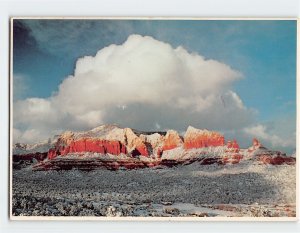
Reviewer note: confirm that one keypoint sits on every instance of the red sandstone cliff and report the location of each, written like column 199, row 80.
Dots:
column 117, row 141
column 171, row 140
column 125, row 147
column 197, row 138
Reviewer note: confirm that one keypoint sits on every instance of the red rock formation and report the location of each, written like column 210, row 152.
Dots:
column 52, row 153
column 128, row 138
column 232, row 159
column 233, row 146
column 159, row 152
column 154, row 141
column 39, row 156
column 139, row 151
column 276, row 160
column 125, row 141
column 256, row 143
column 209, row 161
column 142, row 149
column 196, row 138
column 136, row 144
column 171, row 140
column 89, row 145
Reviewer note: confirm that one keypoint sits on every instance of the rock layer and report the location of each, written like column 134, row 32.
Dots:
column 276, row 160
column 88, row 145
column 197, row 138
column 172, row 140
column 134, row 149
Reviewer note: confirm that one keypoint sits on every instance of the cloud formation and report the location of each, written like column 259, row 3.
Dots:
column 143, row 83
column 260, row 131
column 19, row 86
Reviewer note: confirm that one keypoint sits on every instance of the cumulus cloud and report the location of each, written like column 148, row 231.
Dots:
column 19, row 86
column 261, row 132
column 143, row 83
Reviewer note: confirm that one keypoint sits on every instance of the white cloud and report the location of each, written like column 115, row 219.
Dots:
column 155, row 83
column 17, row 134
column 19, row 86
column 261, row 132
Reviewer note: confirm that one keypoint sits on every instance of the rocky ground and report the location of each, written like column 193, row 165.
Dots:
column 245, row 189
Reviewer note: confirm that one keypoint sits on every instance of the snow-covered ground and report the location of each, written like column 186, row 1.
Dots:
column 245, row 189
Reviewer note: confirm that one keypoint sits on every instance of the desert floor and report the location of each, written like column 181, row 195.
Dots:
column 245, row 189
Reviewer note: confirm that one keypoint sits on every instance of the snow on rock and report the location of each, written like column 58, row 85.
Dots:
column 154, row 142
column 172, row 140
column 134, row 144
column 276, row 159
column 233, row 146
column 173, row 154
column 27, row 154
column 88, row 145
column 265, row 156
column 256, row 145
column 104, row 139
column 198, row 138
column 147, row 149
column 99, row 132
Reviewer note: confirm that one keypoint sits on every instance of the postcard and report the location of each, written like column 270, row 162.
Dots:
column 153, row 119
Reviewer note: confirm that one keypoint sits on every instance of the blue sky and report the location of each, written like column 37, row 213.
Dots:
column 264, row 52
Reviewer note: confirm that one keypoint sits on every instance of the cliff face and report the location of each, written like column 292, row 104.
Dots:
column 171, row 140
column 88, row 145
column 126, row 148
column 265, row 156
column 197, row 138
column 115, row 141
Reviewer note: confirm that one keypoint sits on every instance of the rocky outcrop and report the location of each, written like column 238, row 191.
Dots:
column 233, row 146
column 256, row 145
column 23, row 160
column 88, row 145
column 115, row 141
column 128, row 138
column 197, row 138
column 154, row 142
column 41, row 147
column 30, row 157
column 276, row 159
column 266, row 156
column 171, row 140
column 113, row 147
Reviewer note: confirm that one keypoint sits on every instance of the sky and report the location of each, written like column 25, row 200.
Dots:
column 236, row 77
